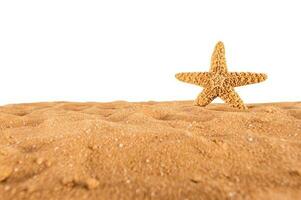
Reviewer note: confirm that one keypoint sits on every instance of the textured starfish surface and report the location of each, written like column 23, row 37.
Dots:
column 218, row 82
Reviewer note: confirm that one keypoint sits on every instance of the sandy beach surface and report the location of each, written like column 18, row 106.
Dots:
column 150, row 150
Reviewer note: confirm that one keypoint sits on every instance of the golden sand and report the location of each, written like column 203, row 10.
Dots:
column 150, row 150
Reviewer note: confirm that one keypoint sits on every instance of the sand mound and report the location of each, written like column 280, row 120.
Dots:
column 151, row 150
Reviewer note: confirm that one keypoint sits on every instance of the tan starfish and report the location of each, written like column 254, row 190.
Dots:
column 218, row 82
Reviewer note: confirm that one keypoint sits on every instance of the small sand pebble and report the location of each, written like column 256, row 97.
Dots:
column 48, row 163
column 196, row 179
column 231, row 194
column 65, row 181
column 93, row 147
column 88, row 130
column 5, row 172
column 91, row 183
column 3, row 152
column 39, row 161
column 7, row 187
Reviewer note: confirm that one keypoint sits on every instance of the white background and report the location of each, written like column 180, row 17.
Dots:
column 130, row 50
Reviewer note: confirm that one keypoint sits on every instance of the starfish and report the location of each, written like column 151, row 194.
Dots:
column 218, row 82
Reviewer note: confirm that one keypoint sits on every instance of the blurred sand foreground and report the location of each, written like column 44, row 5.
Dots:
column 149, row 150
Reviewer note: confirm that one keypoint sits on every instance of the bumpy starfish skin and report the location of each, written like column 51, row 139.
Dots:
column 218, row 82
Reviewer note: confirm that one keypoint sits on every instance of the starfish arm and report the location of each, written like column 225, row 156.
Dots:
column 233, row 99
column 205, row 97
column 245, row 78
column 218, row 59
column 197, row 78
